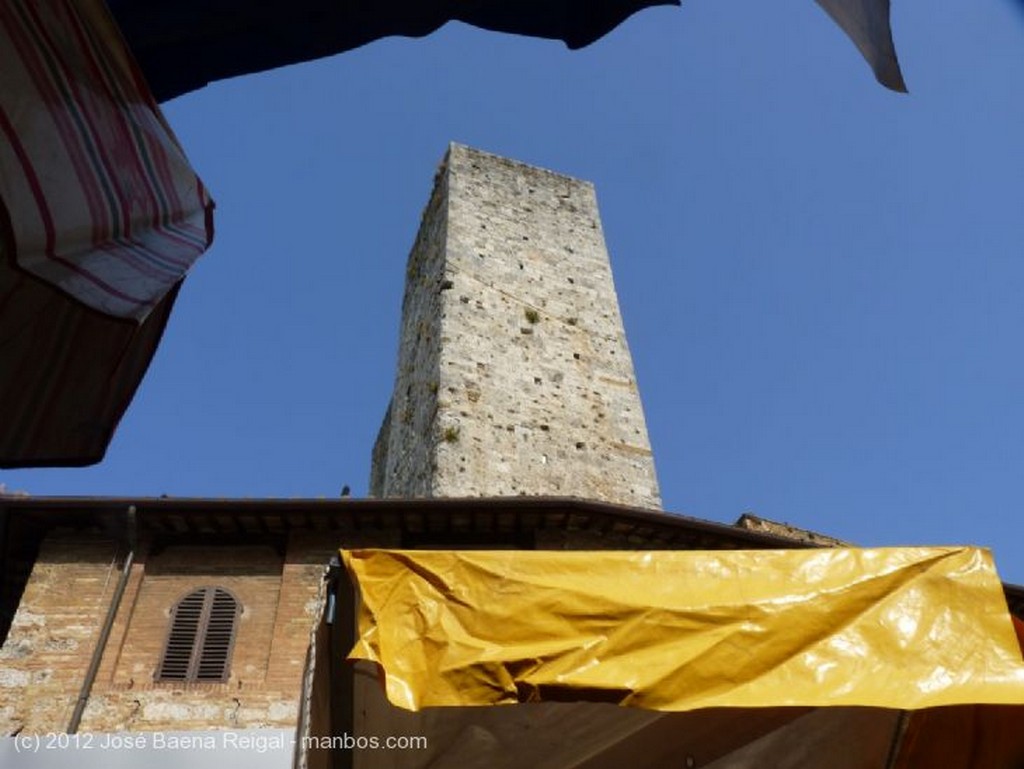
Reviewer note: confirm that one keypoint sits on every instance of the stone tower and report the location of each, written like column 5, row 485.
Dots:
column 514, row 376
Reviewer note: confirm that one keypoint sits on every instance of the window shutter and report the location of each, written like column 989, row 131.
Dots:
column 215, row 647
column 201, row 638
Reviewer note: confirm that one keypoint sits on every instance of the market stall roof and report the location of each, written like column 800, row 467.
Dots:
column 183, row 45
column 899, row 657
column 101, row 216
column 904, row 628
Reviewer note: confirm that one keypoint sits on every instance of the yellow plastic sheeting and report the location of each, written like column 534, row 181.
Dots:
column 899, row 628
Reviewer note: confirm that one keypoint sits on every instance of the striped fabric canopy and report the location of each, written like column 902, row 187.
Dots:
column 102, row 201
column 100, row 218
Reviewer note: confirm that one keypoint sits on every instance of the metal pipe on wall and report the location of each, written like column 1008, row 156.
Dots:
column 108, row 624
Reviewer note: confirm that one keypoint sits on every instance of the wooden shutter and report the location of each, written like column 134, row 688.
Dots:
column 201, row 638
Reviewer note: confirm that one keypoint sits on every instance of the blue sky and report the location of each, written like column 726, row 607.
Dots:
column 821, row 280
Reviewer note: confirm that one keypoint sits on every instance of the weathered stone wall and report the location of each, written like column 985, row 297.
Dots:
column 752, row 522
column 43, row 661
column 47, row 651
column 514, row 375
column 405, row 447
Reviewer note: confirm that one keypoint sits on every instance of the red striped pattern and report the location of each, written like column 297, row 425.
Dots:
column 102, row 201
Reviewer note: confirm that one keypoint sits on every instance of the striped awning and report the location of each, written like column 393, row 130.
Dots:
column 101, row 216
column 101, row 200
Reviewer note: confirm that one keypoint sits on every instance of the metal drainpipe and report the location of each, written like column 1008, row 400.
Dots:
column 108, row 623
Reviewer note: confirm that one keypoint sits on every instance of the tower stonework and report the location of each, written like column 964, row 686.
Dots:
column 514, row 376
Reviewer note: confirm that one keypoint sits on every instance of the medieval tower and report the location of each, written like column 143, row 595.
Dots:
column 514, row 376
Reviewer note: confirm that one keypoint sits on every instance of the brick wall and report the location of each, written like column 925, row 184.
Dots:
column 43, row 661
column 48, row 648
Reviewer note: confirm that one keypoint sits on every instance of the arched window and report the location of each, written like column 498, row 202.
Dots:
column 201, row 638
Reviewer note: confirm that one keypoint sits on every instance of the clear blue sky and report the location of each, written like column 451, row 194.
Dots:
column 822, row 281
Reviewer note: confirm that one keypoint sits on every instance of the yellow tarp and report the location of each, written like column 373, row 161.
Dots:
column 900, row 628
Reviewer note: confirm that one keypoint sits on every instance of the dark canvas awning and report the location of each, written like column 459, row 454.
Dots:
column 67, row 372
column 184, row 45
